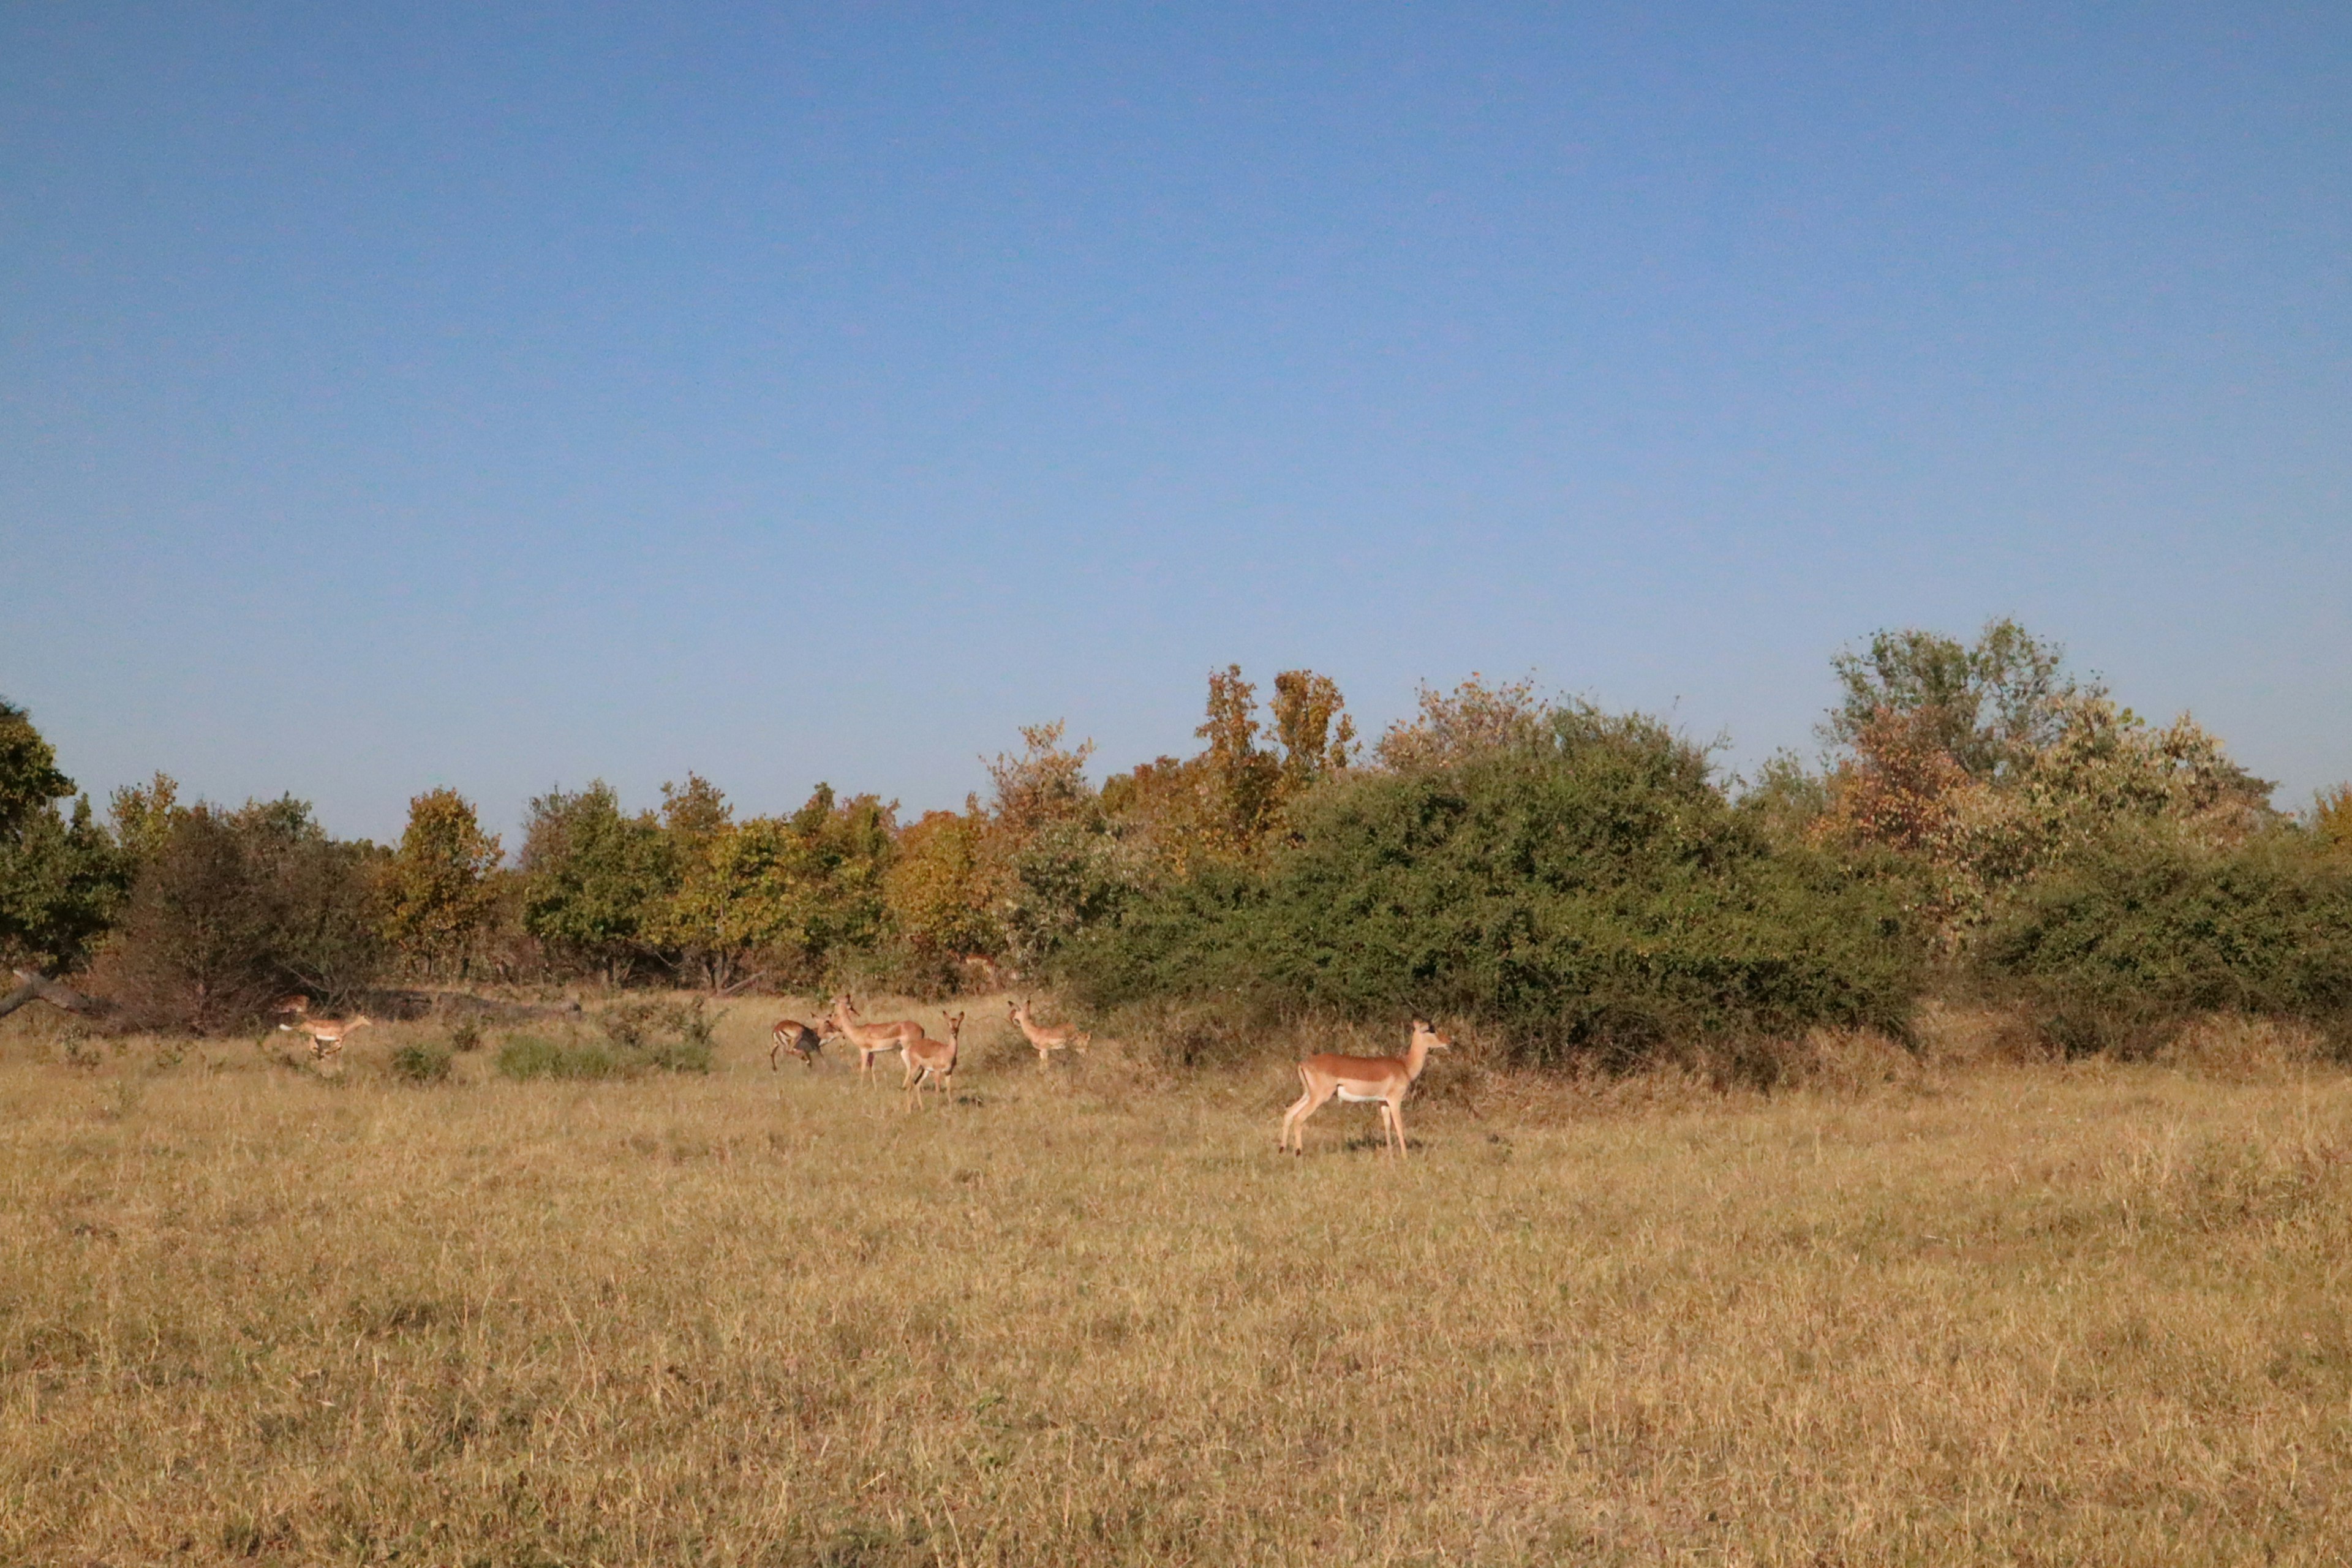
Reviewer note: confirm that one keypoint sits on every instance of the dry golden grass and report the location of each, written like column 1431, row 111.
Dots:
column 2014, row 1313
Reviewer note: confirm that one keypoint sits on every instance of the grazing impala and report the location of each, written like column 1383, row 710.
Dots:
column 934, row 1061
column 871, row 1040
column 328, row 1034
column 1046, row 1040
column 797, row 1038
column 1363, row 1080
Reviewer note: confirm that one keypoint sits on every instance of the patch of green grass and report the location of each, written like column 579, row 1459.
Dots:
column 531, row 1056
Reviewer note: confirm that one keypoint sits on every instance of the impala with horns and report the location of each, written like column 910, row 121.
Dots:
column 1046, row 1040
column 1383, row 1081
column 871, row 1040
column 934, row 1061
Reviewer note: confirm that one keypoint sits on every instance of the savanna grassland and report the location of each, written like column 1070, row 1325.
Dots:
column 1946, row 1308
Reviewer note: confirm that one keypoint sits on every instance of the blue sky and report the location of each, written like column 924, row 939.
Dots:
column 505, row 395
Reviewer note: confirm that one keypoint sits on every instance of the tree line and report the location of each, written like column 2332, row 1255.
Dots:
column 1589, row 882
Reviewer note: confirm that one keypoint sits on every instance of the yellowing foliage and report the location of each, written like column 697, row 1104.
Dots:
column 437, row 889
column 2331, row 818
column 942, row 885
column 2100, row 767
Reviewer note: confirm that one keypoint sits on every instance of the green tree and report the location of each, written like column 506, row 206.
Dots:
column 593, row 878
column 786, row 897
column 695, row 811
column 845, row 847
column 1991, row 706
column 1049, row 847
column 29, row 780
column 438, row 892
column 61, row 879
column 140, row 817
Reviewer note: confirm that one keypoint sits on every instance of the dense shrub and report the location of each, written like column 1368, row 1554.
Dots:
column 236, row 909
column 1589, row 889
column 2135, row 935
column 421, row 1064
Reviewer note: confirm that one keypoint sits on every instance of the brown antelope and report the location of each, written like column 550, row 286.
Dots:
column 1363, row 1080
column 871, row 1040
column 797, row 1038
column 934, row 1061
column 328, row 1034
column 292, row 1008
column 1046, row 1040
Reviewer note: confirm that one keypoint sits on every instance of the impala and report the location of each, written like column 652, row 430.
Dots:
column 934, row 1061
column 328, row 1034
column 797, row 1038
column 1363, row 1080
column 871, row 1040
column 293, row 1007
column 1046, row 1040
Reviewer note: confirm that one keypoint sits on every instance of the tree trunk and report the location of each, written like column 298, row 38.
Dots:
column 31, row 987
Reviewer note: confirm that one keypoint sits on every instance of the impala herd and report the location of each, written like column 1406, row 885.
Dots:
column 1383, row 1081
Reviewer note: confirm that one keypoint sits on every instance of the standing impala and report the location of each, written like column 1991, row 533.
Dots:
column 1363, row 1080
column 1047, row 1041
column 934, row 1061
column 871, row 1040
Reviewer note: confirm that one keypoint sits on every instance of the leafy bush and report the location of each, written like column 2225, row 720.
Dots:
column 2137, row 934
column 237, row 908
column 465, row 1034
column 421, row 1064
column 1590, row 890
column 529, row 1056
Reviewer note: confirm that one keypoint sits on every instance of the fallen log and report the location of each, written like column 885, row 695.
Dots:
column 32, row 988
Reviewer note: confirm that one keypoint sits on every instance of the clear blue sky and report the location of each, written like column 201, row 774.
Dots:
column 501, row 395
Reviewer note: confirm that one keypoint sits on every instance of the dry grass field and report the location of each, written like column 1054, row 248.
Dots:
column 1979, row 1312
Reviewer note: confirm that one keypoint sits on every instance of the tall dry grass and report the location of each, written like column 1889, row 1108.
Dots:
column 2001, row 1313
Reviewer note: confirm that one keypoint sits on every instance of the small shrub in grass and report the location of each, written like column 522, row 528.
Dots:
column 529, row 1057
column 465, row 1034
column 421, row 1064
column 670, row 1036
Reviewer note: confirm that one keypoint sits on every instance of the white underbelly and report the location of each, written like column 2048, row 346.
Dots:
column 1361, row 1096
